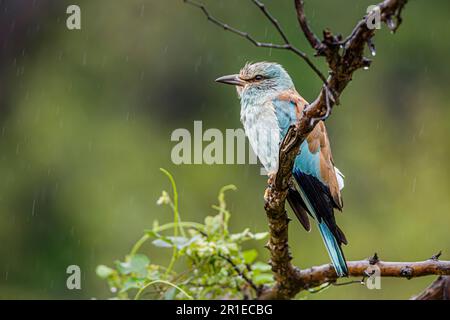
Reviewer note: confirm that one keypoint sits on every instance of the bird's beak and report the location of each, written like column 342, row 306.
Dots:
column 231, row 79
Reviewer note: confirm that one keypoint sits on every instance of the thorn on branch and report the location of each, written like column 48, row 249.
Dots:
column 436, row 256
column 374, row 259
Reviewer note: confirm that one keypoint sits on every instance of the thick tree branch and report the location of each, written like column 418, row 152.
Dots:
column 319, row 275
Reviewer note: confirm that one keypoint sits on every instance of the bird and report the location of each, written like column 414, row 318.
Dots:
column 270, row 104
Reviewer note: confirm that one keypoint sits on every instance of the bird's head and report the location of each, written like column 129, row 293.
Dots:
column 259, row 78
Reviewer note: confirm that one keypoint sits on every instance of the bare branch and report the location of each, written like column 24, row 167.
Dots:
column 319, row 275
column 272, row 19
column 286, row 46
column 227, row 27
column 309, row 34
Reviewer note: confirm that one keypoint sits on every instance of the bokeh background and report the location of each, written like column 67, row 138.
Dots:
column 86, row 118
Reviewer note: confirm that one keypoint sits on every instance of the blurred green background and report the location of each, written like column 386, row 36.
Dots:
column 86, row 118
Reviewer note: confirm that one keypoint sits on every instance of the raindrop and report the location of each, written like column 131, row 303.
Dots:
column 198, row 64
column 33, row 208
column 391, row 25
column 371, row 47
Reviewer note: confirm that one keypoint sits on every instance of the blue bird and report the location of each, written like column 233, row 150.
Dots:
column 269, row 106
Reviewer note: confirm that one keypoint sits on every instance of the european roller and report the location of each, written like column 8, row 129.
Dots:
column 269, row 106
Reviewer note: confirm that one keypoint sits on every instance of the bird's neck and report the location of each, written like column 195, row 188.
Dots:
column 255, row 106
column 256, row 98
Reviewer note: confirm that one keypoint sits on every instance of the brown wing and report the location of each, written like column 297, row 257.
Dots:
column 319, row 138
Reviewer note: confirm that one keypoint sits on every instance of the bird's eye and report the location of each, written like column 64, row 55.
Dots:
column 259, row 77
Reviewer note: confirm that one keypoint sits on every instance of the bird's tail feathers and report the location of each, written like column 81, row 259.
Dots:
column 334, row 250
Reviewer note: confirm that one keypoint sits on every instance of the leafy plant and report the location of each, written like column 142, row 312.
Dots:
column 216, row 264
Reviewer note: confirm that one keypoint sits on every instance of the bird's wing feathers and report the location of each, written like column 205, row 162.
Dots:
column 299, row 207
column 314, row 169
column 318, row 142
column 319, row 161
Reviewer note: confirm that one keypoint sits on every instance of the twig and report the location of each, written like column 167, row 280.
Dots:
column 436, row 256
column 309, row 34
column 286, row 46
column 272, row 19
column 242, row 274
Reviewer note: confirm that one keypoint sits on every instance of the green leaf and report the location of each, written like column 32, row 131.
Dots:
column 240, row 236
column 168, row 242
column 132, row 283
column 135, row 264
column 261, row 266
column 250, row 255
column 162, row 243
column 260, row 235
column 104, row 271
column 263, row 278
